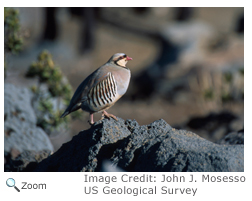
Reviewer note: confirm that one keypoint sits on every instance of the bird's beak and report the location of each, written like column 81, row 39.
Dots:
column 128, row 58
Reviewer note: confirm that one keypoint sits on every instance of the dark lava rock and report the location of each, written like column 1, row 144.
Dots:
column 153, row 147
column 233, row 138
column 14, row 161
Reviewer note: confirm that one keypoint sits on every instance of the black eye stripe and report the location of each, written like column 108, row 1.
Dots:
column 121, row 57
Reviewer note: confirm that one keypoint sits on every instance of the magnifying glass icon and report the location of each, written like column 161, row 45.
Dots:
column 11, row 183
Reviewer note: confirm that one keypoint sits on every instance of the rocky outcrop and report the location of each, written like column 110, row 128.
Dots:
column 153, row 147
column 20, row 129
column 14, row 161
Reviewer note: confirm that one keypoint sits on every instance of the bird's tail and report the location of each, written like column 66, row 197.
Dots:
column 70, row 109
column 64, row 114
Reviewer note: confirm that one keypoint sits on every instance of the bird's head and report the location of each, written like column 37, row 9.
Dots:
column 120, row 59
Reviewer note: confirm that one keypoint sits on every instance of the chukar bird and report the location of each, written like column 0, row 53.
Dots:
column 100, row 90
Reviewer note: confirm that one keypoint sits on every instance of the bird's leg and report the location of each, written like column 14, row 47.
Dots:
column 91, row 121
column 105, row 114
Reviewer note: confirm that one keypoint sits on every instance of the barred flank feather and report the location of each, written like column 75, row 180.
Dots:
column 104, row 92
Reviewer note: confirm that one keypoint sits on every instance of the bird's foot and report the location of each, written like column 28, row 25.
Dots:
column 105, row 114
column 90, row 123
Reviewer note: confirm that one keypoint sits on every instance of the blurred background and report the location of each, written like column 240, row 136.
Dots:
column 187, row 67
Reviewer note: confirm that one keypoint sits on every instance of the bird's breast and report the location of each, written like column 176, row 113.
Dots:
column 122, row 80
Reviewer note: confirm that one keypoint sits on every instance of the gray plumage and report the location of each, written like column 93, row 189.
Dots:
column 100, row 90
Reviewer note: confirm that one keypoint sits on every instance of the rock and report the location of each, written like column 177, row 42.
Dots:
column 26, row 160
column 233, row 138
column 153, row 147
column 21, row 132
column 17, row 104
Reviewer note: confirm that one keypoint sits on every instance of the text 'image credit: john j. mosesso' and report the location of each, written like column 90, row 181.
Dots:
column 90, row 182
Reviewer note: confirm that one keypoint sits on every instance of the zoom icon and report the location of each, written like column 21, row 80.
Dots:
column 11, row 183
